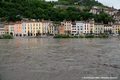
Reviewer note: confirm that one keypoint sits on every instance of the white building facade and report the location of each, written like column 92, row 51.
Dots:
column 2, row 31
column 108, row 28
column 78, row 28
column 11, row 29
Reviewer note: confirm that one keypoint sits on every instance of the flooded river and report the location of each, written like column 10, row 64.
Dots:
column 59, row 59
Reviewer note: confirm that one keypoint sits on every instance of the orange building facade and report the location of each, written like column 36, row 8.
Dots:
column 61, row 29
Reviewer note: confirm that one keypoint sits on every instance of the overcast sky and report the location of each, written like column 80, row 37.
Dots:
column 114, row 3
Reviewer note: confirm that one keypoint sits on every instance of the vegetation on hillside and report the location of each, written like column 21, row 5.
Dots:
column 14, row 10
column 86, row 3
column 6, row 36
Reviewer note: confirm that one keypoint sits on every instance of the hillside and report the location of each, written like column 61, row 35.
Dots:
column 13, row 10
column 88, row 3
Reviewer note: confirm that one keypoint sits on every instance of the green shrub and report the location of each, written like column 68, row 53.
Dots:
column 62, row 36
column 83, row 36
column 103, row 36
column 6, row 36
column 89, row 36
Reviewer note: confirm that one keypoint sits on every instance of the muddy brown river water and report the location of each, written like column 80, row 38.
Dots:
column 59, row 59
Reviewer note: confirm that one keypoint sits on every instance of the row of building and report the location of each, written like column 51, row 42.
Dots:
column 36, row 28
column 88, row 27
column 28, row 28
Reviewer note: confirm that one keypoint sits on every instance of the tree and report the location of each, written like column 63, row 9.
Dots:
column 3, row 0
column 103, row 18
column 15, row 10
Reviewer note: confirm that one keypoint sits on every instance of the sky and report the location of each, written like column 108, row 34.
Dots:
column 114, row 3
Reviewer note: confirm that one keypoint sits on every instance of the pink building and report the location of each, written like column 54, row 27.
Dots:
column 18, row 29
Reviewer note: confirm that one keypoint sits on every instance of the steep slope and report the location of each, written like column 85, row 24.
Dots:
column 14, row 10
column 81, row 2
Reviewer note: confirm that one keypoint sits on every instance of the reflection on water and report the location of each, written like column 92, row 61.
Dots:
column 59, row 59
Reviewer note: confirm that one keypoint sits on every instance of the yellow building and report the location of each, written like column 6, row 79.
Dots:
column 116, row 28
column 68, row 26
column 92, row 24
column 33, row 28
column 98, row 28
